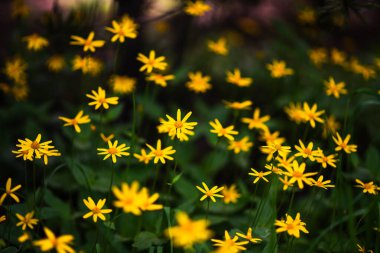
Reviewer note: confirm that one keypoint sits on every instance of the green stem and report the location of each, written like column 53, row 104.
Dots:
column 207, row 210
column 34, row 185
column 96, row 238
column 290, row 245
column 291, row 199
column 111, row 181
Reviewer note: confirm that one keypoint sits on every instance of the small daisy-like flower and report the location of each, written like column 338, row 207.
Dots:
column 276, row 147
column 306, row 152
column 295, row 112
column 95, row 209
column 160, row 79
column 335, row 89
column 113, row 151
column 151, row 62
column 87, row 64
column 179, row 127
column 318, row 56
column 229, row 244
column 230, row 194
column 76, row 121
column 27, row 220
column 107, row 138
column 160, row 154
column 3, row 218
column 369, row 187
column 236, row 78
column 148, row 201
column 311, row 115
column 10, row 191
column 197, row 8
column 274, row 169
column 218, row 47
column 88, row 44
column 210, row 193
column 285, row 181
column 221, row 131
column 256, row 121
column 343, row 144
column 249, row 237
column 320, row 183
column 35, row 42
column 338, row 57
column 198, row 83
column 122, row 30
column 284, row 161
column 292, row 226
column 240, row 146
column 56, row 63
column 245, row 105
column 60, row 243
column 100, row 99
column 326, row 160
column 128, row 197
column 143, row 157
column 259, row 175
column 278, row 69
column 297, row 174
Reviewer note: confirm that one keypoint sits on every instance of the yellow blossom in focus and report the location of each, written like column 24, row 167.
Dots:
column 335, row 89
column 297, row 173
column 320, row 183
column 210, row 192
column 198, row 83
column 78, row 119
column 160, row 79
column 114, row 151
column 276, row 147
column 95, row 209
column 160, row 154
column 369, row 187
column 152, row 62
column 35, row 42
column 218, row 47
column 326, row 160
column 122, row 84
column 285, row 181
column 343, row 144
column 259, row 175
column 188, row 232
column 61, row 243
column 10, row 191
column 100, row 99
column 318, row 56
column 218, row 129
column 55, row 63
column 88, row 44
column 27, row 220
column 236, row 78
column 179, row 127
column 230, row 194
column 249, row 237
column 197, row 8
column 278, row 69
column 291, row 226
column 229, row 245
column 306, row 152
column 311, row 115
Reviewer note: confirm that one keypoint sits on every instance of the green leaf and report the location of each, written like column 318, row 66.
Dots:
column 176, row 178
column 9, row 250
column 62, row 208
column 145, row 240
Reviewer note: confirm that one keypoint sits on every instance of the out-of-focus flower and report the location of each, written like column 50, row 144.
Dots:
column 318, row 56
column 35, row 42
column 219, row 46
column 122, row 84
column 55, row 63
column 335, row 89
column 236, row 79
column 278, row 69
column 197, row 8
column 198, row 83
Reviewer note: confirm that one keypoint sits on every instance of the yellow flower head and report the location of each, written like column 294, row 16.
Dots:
column 297, row 173
column 245, row 105
column 318, row 56
column 306, row 152
column 311, row 115
column 95, row 209
column 160, row 154
column 335, row 89
column 3, row 218
column 148, row 201
column 123, row 84
column 229, row 244
column 292, row 226
column 230, row 194
column 60, row 243
column 218, row 129
column 128, row 198
column 369, row 187
column 114, row 151
column 88, row 44
column 295, row 112
column 10, row 191
column 275, row 147
column 259, row 175
column 27, row 220
column 152, row 62
column 76, row 121
column 256, row 121
column 87, row 64
column 15, row 70
column 198, row 83
column 160, row 79
column 100, row 99
column 35, row 42
column 210, row 193
column 143, row 157
column 55, row 63
column 326, row 160
column 338, row 57
column 188, row 232
column 343, row 144
column 278, row 69
column 127, row 28
column 320, row 183
column 330, row 126
column 197, row 8
column 218, row 47
column 236, row 79
column 179, row 127
column 243, row 145
column 249, row 237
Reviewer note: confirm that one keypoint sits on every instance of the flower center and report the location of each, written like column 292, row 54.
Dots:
column 297, row 174
column 158, row 153
column 74, row 122
column 102, row 100
column 307, row 151
column 112, row 151
column 96, row 210
column 178, row 124
column 35, row 145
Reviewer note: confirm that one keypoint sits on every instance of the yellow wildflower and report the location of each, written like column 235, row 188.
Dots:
column 292, row 226
column 179, row 127
column 256, row 121
column 369, row 187
column 35, row 42
column 318, row 56
column 197, row 8
column 335, row 89
column 326, row 160
column 78, row 119
column 122, row 84
column 95, row 209
column 88, row 44
column 285, row 181
column 160, row 79
column 311, row 115
column 330, row 126
column 230, row 194
column 128, row 198
column 338, row 57
column 236, row 79
column 229, row 244
column 100, row 99
column 15, row 70
column 307, row 16
column 278, row 69
column 245, row 105
column 10, row 191
column 221, row 131
column 152, row 62
column 198, row 83
column 161, row 154
column 306, row 152
column 55, row 63
column 210, row 193
column 61, row 243
column 218, row 47
column 249, row 237
column 87, row 64
column 114, row 151
column 343, row 144
column 147, row 202
column 259, row 175
column 320, row 183
column 125, row 29
column 295, row 112
column 297, row 173
column 240, row 146
column 143, row 157
column 27, row 220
